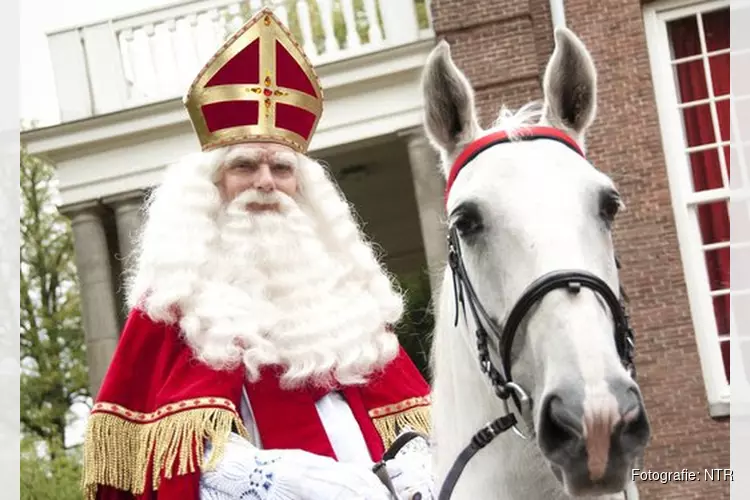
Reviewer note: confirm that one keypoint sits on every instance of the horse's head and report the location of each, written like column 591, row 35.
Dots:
column 520, row 210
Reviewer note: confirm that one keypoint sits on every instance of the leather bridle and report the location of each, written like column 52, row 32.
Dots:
column 571, row 280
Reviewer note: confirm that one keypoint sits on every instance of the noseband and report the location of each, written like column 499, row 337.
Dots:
column 571, row 280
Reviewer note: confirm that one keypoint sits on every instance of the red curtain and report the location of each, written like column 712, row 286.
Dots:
column 706, row 169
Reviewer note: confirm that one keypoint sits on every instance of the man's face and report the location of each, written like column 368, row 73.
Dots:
column 265, row 167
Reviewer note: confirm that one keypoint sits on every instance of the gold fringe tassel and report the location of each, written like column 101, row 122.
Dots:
column 389, row 426
column 116, row 451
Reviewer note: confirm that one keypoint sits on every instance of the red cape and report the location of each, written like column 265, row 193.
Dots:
column 158, row 404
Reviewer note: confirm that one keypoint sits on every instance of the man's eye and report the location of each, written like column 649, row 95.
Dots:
column 243, row 165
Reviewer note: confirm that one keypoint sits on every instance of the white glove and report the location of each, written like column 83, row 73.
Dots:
column 411, row 471
column 246, row 472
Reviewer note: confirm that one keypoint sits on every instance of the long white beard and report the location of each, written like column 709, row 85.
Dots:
column 274, row 295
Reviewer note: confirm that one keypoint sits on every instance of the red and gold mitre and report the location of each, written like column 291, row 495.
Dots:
column 259, row 86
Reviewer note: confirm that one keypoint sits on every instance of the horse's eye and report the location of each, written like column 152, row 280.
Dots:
column 609, row 205
column 468, row 220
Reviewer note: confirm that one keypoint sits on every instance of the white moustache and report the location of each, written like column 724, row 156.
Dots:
column 240, row 202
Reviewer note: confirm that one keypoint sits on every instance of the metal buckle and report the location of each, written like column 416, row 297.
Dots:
column 524, row 403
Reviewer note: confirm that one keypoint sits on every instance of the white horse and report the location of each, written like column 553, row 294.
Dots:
column 522, row 209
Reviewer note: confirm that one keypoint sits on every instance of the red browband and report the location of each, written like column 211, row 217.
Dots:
column 526, row 134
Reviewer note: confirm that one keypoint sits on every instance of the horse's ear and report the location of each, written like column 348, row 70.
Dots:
column 450, row 117
column 570, row 85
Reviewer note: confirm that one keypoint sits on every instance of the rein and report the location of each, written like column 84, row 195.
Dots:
column 570, row 279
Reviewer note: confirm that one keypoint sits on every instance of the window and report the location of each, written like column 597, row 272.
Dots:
column 689, row 51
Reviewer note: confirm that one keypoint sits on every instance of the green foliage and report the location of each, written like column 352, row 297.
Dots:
column 417, row 323
column 54, row 374
column 43, row 478
column 423, row 14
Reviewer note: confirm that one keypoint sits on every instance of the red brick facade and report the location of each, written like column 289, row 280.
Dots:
column 503, row 48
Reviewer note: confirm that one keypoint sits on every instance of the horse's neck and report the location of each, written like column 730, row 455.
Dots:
column 509, row 468
column 463, row 402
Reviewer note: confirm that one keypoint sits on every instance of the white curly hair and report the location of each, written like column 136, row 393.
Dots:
column 301, row 288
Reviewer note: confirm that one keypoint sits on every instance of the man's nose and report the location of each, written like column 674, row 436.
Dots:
column 264, row 179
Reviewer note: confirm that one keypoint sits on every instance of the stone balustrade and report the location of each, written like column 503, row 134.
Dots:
column 153, row 55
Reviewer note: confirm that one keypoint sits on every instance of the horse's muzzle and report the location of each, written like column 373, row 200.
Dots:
column 592, row 440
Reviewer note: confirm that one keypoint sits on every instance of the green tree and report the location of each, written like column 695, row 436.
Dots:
column 54, row 375
column 418, row 322
column 43, row 478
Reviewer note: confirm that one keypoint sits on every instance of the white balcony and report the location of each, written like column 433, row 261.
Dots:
column 120, row 84
column 152, row 56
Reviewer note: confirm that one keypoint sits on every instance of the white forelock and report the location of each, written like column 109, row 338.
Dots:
column 513, row 122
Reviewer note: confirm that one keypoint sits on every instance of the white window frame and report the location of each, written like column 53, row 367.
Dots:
column 684, row 200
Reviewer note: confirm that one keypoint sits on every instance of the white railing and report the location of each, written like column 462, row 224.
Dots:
column 153, row 55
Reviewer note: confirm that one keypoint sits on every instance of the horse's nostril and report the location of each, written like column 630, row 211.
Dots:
column 564, row 418
column 635, row 429
column 559, row 427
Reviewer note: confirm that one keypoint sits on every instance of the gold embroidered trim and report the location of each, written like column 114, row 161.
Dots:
column 391, row 421
column 165, row 410
column 121, row 443
column 400, row 406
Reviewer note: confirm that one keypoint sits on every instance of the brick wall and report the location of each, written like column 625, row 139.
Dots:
column 503, row 47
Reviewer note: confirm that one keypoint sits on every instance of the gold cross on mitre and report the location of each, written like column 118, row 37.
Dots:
column 259, row 86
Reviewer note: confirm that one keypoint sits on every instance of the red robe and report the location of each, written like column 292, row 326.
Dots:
column 158, row 404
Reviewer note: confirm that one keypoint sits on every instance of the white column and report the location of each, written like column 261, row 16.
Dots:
column 128, row 217
column 98, row 303
column 126, row 208
column 429, row 187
